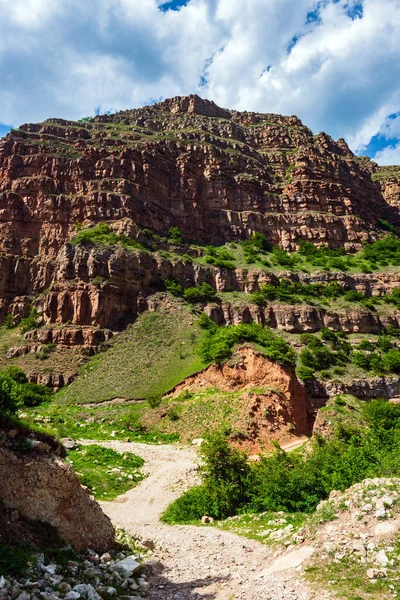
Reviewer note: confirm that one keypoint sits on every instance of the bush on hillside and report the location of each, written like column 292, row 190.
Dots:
column 173, row 287
column 16, row 392
column 175, row 236
column 103, row 234
column 283, row 258
column 219, row 257
column 219, row 342
column 224, row 472
column 31, row 321
column 204, row 293
column 297, row 481
column 384, row 252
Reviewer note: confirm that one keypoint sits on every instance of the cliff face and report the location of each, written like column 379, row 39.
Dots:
column 218, row 175
column 280, row 409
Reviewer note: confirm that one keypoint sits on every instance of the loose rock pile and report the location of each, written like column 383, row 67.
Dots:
column 87, row 577
column 362, row 528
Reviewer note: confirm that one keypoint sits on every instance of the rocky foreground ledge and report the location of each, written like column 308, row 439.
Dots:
column 81, row 576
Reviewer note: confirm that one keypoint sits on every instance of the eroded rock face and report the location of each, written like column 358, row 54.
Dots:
column 43, row 488
column 303, row 318
column 283, row 410
column 217, row 174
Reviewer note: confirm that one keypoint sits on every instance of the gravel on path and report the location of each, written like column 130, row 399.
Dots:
column 199, row 562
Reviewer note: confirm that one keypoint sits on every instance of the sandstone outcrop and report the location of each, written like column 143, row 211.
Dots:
column 219, row 175
column 303, row 318
column 41, row 487
column 280, row 409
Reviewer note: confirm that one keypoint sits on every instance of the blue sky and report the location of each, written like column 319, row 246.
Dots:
column 334, row 63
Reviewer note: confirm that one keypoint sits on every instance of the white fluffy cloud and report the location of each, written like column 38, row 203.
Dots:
column 334, row 63
column 389, row 155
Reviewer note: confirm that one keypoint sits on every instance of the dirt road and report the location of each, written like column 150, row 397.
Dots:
column 200, row 562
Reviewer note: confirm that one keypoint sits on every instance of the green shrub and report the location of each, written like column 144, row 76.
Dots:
column 174, row 413
column 353, row 296
column 323, row 256
column 131, row 421
column 385, row 251
column 104, row 235
column 256, row 245
column 187, row 259
column 175, row 236
column 366, row 345
column 204, row 293
column 16, row 374
column 219, row 342
column 297, row 481
column 304, row 373
column 283, row 258
column 9, row 321
column 15, row 560
column 16, row 392
column 391, row 361
column 31, row 321
column 393, row 298
column 33, row 394
column 296, row 292
column 8, row 395
column 219, row 257
column 190, row 507
column 205, row 322
column 173, row 287
column 224, row 472
column 154, row 400
column 45, row 352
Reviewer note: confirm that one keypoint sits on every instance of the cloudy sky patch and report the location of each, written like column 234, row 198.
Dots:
column 334, row 63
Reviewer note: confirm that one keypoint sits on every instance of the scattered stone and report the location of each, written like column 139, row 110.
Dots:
column 111, row 591
column 381, row 558
column 127, row 566
column 149, row 544
column 72, row 595
column 206, row 519
column 380, row 513
column 51, row 569
column 197, row 442
column 153, row 566
column 106, row 557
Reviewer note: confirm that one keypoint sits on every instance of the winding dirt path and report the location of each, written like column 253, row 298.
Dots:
column 200, row 562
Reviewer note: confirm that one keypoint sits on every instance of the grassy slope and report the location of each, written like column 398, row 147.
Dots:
column 105, row 472
column 150, row 357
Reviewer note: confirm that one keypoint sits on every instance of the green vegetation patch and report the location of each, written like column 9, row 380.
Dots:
column 150, row 357
column 16, row 392
column 104, row 471
column 331, row 350
column 104, row 235
column 294, row 482
column 101, row 422
column 348, row 579
column 219, row 342
column 266, row 527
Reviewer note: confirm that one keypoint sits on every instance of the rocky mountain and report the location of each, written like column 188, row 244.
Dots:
column 212, row 177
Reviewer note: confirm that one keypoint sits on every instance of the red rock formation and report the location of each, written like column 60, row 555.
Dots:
column 280, row 410
column 217, row 174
